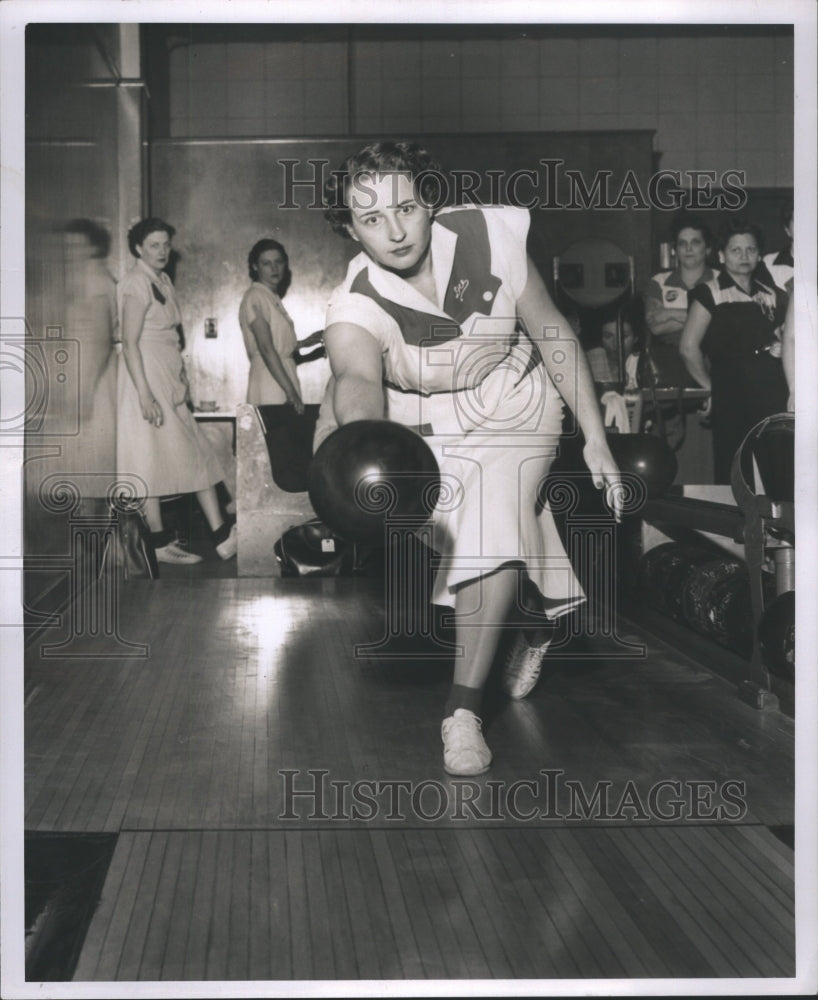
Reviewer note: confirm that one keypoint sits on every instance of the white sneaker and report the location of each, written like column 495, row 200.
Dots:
column 464, row 749
column 228, row 548
column 174, row 553
column 523, row 666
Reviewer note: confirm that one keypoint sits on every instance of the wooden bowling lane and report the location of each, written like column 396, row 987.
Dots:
column 220, row 873
column 443, row 904
column 247, row 679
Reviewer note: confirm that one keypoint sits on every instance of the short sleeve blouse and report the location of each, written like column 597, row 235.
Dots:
column 154, row 293
column 480, row 266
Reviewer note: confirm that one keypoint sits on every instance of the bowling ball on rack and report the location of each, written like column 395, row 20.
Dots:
column 716, row 602
column 657, row 568
column 368, row 471
column 665, row 574
column 731, row 614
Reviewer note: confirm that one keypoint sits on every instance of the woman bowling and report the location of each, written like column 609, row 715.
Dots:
column 730, row 344
column 424, row 331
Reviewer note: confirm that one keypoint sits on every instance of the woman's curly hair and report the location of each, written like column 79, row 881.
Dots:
column 381, row 158
column 740, row 227
column 260, row 247
column 139, row 232
column 689, row 220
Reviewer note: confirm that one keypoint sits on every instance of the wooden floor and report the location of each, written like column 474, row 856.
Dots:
column 443, row 904
column 185, row 727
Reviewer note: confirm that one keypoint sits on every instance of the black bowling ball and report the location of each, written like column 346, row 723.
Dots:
column 646, row 456
column 371, row 470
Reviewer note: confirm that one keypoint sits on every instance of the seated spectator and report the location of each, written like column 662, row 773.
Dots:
column 604, row 360
column 603, row 354
column 641, row 371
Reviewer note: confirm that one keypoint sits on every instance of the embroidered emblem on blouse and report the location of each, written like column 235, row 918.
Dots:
column 463, row 298
column 766, row 302
column 472, row 257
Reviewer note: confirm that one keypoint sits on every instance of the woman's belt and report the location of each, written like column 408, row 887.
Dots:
column 745, row 352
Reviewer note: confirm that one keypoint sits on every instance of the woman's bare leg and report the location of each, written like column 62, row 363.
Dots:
column 481, row 609
column 152, row 510
column 209, row 502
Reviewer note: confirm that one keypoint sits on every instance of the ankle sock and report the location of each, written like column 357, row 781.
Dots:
column 461, row 696
column 221, row 534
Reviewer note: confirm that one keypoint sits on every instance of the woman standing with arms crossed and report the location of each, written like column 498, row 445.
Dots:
column 666, row 297
column 666, row 300
column 424, row 331
column 157, row 438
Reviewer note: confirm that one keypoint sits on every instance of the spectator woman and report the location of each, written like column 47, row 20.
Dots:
column 730, row 344
column 268, row 331
column 158, row 441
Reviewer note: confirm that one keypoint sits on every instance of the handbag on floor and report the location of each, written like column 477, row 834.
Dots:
column 129, row 550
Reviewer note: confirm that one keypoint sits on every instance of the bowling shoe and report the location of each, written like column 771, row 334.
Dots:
column 522, row 667
column 465, row 752
column 175, row 554
column 228, row 548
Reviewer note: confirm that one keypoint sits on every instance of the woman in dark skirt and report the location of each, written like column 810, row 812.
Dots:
column 730, row 344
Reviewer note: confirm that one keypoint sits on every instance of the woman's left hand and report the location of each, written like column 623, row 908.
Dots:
column 604, row 472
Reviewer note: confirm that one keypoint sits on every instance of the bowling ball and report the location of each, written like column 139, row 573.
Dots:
column 656, row 568
column 713, row 596
column 368, row 471
column 730, row 613
column 776, row 634
column 665, row 571
column 646, row 456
